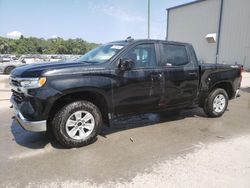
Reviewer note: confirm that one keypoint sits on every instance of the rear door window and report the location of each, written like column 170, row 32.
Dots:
column 174, row 55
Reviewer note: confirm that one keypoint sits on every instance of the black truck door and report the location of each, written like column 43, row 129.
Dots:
column 181, row 75
column 140, row 89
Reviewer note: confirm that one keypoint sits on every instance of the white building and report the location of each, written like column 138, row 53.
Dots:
column 218, row 29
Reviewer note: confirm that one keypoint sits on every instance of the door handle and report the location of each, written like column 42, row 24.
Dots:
column 192, row 74
column 158, row 75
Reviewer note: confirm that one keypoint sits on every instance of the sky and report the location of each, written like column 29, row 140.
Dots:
column 97, row 21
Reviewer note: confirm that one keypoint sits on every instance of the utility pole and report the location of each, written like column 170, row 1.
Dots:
column 148, row 19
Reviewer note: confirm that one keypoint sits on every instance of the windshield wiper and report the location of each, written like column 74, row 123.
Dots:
column 85, row 62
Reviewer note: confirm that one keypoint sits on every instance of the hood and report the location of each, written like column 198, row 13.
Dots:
column 48, row 68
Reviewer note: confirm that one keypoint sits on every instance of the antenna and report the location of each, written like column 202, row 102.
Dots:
column 129, row 39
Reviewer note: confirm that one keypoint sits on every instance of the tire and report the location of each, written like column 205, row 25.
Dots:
column 9, row 69
column 68, row 116
column 220, row 98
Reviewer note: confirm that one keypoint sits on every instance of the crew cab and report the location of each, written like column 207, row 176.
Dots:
column 73, row 99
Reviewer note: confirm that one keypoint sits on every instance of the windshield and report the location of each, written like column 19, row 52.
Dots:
column 101, row 54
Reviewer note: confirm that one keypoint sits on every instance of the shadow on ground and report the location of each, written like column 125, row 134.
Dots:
column 131, row 122
column 40, row 140
column 31, row 139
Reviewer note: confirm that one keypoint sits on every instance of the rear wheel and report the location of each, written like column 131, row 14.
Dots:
column 216, row 103
column 77, row 124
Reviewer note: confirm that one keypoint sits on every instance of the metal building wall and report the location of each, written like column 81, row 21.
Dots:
column 191, row 23
column 235, row 33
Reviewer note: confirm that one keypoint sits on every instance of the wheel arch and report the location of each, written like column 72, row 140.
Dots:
column 94, row 96
column 226, row 85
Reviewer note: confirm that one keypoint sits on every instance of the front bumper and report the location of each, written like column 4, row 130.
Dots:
column 33, row 126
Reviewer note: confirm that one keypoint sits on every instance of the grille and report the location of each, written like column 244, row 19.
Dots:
column 18, row 97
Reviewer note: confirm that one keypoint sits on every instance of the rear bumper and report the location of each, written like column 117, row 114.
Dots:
column 33, row 126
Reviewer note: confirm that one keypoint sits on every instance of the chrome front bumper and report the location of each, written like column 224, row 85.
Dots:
column 33, row 126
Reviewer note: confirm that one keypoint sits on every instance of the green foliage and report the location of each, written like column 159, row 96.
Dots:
column 33, row 45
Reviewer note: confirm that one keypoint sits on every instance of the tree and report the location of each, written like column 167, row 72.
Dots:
column 33, row 45
column 4, row 46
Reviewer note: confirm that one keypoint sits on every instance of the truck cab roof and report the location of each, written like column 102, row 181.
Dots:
column 125, row 42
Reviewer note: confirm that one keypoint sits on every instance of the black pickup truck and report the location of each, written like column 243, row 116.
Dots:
column 124, row 77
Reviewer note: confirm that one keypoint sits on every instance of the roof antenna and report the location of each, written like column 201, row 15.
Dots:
column 129, row 39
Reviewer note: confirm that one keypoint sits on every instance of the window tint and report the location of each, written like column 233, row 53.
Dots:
column 143, row 55
column 174, row 55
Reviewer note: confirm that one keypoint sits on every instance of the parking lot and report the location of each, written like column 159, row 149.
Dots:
column 150, row 150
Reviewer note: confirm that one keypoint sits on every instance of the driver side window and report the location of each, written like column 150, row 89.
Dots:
column 143, row 55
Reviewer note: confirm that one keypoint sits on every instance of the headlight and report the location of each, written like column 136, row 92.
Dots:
column 31, row 83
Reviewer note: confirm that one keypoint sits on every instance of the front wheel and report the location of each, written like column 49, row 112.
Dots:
column 216, row 103
column 77, row 124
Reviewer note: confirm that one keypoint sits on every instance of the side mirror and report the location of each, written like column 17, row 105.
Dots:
column 126, row 64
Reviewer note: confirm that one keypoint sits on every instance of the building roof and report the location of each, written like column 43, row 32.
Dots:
column 182, row 5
